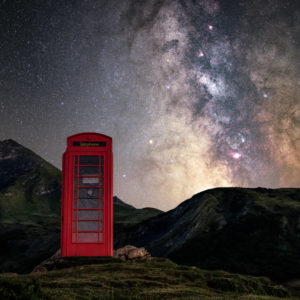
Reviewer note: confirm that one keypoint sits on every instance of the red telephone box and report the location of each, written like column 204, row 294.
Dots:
column 87, row 206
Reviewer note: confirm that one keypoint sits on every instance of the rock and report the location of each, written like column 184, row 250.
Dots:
column 125, row 250
column 138, row 253
column 130, row 252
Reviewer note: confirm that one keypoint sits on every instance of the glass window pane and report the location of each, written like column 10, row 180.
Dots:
column 88, row 193
column 88, row 214
column 91, row 171
column 88, row 225
column 88, row 160
column 75, row 171
column 100, row 237
column 88, row 203
column 74, row 214
column 101, row 225
column 101, row 160
column 75, row 203
column 101, row 214
column 101, row 203
column 101, row 171
column 87, row 237
column 76, row 160
column 89, row 181
column 75, row 192
column 74, row 226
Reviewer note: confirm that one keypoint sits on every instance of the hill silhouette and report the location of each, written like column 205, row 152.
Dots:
column 253, row 231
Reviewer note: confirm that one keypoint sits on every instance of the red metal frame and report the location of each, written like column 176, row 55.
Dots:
column 95, row 145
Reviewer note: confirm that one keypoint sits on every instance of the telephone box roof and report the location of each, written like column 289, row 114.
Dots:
column 95, row 134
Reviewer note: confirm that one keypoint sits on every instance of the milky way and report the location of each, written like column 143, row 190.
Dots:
column 196, row 94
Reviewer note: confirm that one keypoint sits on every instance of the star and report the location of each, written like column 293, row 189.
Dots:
column 236, row 155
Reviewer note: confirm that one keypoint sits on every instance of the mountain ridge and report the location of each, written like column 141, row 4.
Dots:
column 235, row 220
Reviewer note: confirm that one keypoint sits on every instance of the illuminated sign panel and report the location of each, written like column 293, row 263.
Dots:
column 89, row 144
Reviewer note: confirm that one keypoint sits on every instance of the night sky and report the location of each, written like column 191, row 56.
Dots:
column 195, row 94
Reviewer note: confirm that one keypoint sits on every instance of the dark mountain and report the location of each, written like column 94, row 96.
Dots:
column 28, row 185
column 253, row 231
column 30, row 195
column 30, row 191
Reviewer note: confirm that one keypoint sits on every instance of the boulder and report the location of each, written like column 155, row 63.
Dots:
column 130, row 252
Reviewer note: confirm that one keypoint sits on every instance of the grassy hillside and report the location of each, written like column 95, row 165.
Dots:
column 252, row 231
column 157, row 279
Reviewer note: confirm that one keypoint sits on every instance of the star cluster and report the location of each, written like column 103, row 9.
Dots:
column 195, row 94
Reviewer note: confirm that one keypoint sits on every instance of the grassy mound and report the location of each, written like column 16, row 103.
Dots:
column 157, row 279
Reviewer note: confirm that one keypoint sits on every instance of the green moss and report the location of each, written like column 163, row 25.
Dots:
column 15, row 287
